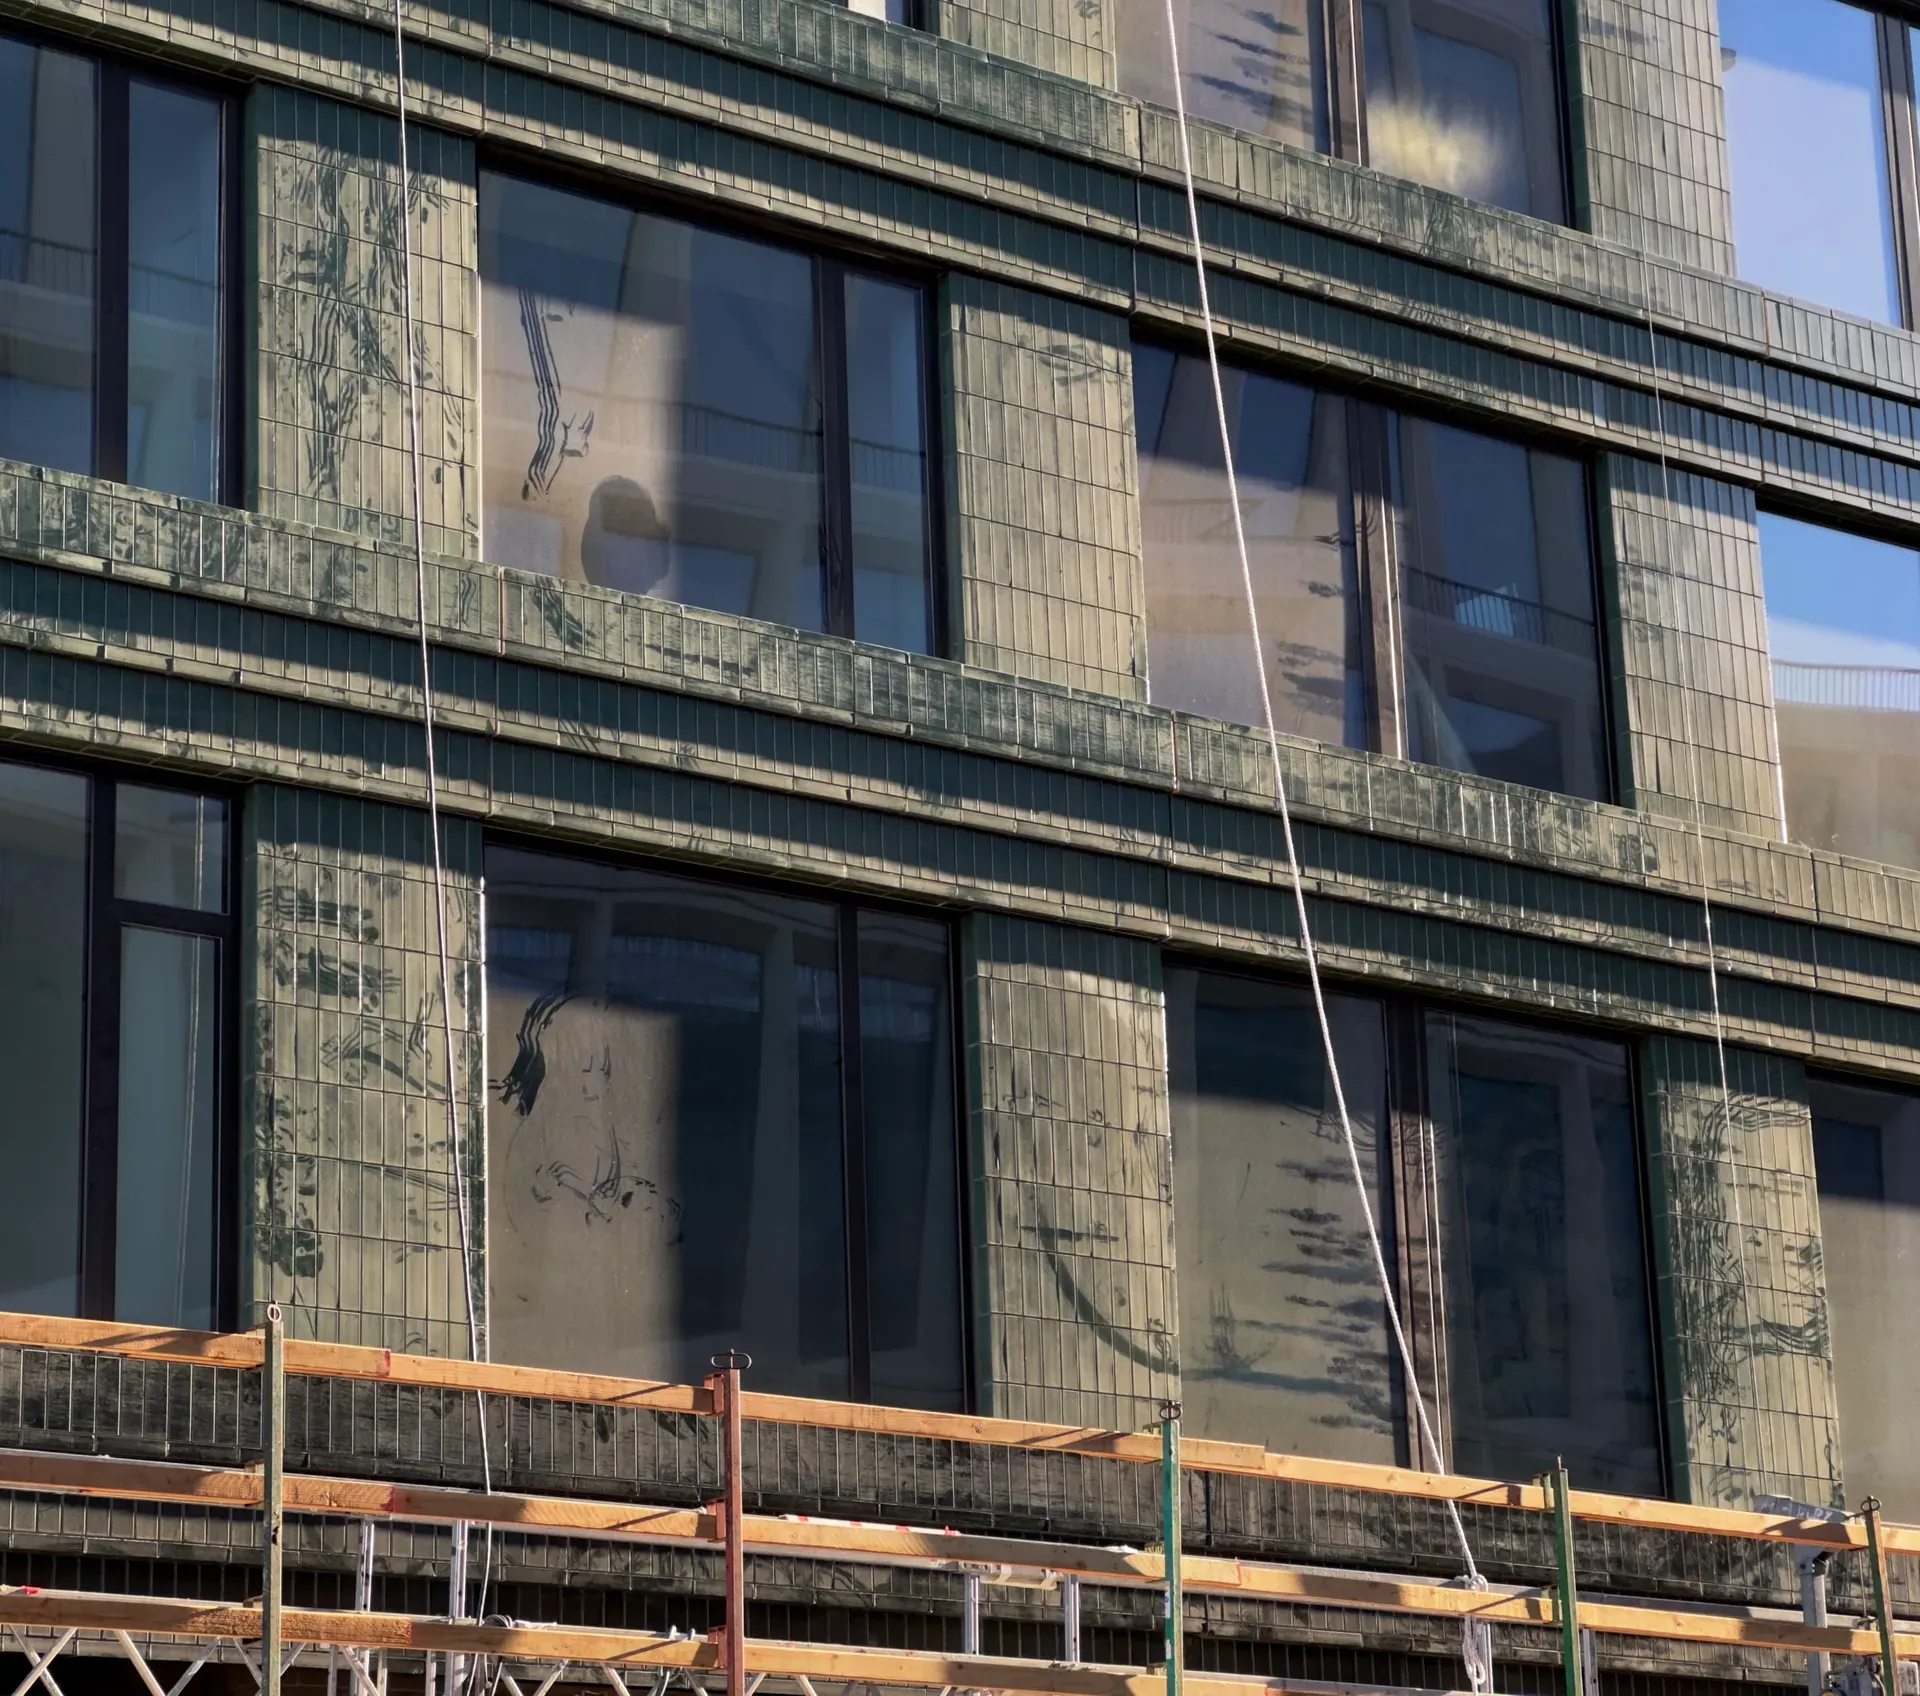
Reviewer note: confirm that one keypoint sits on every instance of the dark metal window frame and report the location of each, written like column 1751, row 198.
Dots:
column 1408, row 1197
column 853, row 1121
column 114, row 75
column 832, row 265
column 1370, row 503
column 107, row 916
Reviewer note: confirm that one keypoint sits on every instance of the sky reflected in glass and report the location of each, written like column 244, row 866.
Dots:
column 1812, row 214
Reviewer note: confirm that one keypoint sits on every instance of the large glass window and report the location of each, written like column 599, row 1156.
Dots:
column 1462, row 632
column 1843, row 630
column 1290, row 458
column 729, row 1113
column 1866, row 1149
column 682, row 412
column 1497, row 610
column 112, row 244
column 1459, row 94
column 1810, row 86
column 115, row 943
column 1501, row 1163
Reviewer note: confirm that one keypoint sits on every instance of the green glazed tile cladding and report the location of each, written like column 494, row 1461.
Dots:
column 347, row 1177
column 1698, row 690
column 1072, row 1174
column 1072, row 37
column 330, row 438
column 1737, row 1244
column 1044, row 519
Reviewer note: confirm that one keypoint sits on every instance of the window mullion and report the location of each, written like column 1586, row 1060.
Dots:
column 1897, row 111
column 1344, row 67
column 836, row 509
column 100, row 1150
column 1373, row 539
column 1409, row 1190
column 111, row 286
column 853, row 1142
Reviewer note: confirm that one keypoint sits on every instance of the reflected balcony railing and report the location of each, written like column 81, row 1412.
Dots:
column 1494, row 611
column 1866, row 688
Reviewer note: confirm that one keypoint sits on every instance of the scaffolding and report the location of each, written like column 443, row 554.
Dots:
column 515, row 1655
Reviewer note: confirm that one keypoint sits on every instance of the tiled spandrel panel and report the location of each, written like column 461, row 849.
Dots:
column 1043, row 516
column 1742, row 1298
column 347, row 1175
column 1072, row 1174
column 1072, row 37
column 331, row 438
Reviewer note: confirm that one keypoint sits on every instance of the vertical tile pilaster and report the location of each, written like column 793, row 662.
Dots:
column 1654, row 129
column 1736, row 1229
column 347, row 1192
column 1072, row 1175
column 329, row 443
column 1043, row 509
column 1696, row 684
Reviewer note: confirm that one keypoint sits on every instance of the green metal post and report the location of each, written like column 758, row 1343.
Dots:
column 1570, row 1649
column 1882, row 1598
column 1170, row 1540
column 273, row 1438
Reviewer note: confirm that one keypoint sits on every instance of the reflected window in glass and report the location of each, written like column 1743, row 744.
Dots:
column 1258, row 65
column 681, row 412
column 1866, row 1153
column 1290, row 458
column 1502, row 649
column 1284, row 1337
column 1843, row 631
column 672, row 1129
column 1807, row 152
column 1464, row 95
column 1549, row 1339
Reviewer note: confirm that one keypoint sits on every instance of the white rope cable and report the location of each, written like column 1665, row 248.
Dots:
column 1414, row 1394
column 456, row 1143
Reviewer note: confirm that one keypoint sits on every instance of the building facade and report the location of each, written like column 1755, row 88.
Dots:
column 859, row 928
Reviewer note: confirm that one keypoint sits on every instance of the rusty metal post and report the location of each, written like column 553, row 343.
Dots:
column 273, row 1441
column 724, row 1382
column 1882, row 1597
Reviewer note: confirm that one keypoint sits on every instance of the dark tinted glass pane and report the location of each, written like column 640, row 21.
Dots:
column 1283, row 1332
column 1463, row 95
column 913, row 1209
column 46, row 256
column 169, row 1020
column 1290, row 454
column 1259, row 65
column 170, row 848
column 1549, row 1345
column 652, row 408
column 664, row 1130
column 43, row 946
column 1501, row 648
column 1806, row 147
column 887, row 454
column 173, row 331
column 1866, row 1149
column 1843, row 628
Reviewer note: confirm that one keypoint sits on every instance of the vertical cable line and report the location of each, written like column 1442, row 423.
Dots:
column 1414, row 1393
column 456, row 1143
